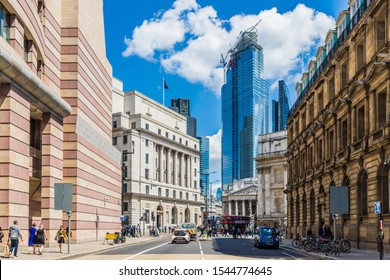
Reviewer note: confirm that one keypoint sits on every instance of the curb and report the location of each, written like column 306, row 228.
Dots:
column 101, row 250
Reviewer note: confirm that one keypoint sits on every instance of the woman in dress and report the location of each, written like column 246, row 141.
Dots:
column 61, row 237
column 40, row 238
column 31, row 239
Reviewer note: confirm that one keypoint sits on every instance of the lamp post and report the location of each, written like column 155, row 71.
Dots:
column 124, row 154
column 207, row 174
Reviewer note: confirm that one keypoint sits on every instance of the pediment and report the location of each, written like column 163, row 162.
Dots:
column 247, row 190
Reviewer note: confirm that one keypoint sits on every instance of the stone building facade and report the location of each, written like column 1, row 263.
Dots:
column 55, row 117
column 240, row 198
column 338, row 130
column 272, row 179
column 160, row 162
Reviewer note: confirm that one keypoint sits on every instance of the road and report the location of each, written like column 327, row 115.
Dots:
column 217, row 249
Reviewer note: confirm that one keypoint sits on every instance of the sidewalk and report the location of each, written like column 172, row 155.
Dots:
column 354, row 254
column 77, row 250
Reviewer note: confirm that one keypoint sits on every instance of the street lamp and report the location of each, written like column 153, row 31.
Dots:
column 207, row 174
column 124, row 154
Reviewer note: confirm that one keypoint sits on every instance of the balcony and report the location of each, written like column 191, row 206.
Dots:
column 377, row 135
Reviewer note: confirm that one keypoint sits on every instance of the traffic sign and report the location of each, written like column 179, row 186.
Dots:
column 377, row 207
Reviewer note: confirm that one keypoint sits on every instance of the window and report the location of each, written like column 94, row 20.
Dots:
column 363, row 196
column 147, row 190
column 124, row 139
column 167, row 193
column 196, row 197
column 195, row 147
column 124, row 188
column 344, row 75
column 195, row 184
column 125, row 169
column 40, row 9
column 195, row 159
column 195, row 173
column 303, row 120
column 159, row 131
column 187, row 196
column 181, row 195
column 360, row 124
column 360, row 55
column 125, row 206
column 133, row 125
column 186, row 143
column 114, row 141
column 166, row 134
column 124, row 154
column 320, row 102
column 344, row 133
column 174, row 194
column 4, row 23
column 381, row 109
column 159, row 191
column 147, row 158
column 296, row 128
column 319, row 152
column 174, row 137
column 180, row 140
column 331, row 136
column 147, row 214
column 311, row 112
column 26, row 48
column 147, row 126
column 380, row 33
column 146, row 142
column 146, row 173
column 35, row 134
column 114, row 124
column 331, row 89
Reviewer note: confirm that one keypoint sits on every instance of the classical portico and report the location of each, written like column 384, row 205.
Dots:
column 240, row 202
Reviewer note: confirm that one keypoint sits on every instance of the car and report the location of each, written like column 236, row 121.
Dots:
column 191, row 229
column 266, row 237
column 180, row 235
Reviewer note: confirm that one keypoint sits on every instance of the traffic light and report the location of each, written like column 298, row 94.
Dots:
column 205, row 215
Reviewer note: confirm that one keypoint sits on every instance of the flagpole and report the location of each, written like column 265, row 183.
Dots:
column 163, row 86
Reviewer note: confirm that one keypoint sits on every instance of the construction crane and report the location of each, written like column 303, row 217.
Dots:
column 224, row 59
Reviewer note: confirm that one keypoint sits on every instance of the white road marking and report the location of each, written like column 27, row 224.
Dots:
column 143, row 252
column 284, row 253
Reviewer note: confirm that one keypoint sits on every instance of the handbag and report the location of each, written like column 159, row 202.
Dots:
column 6, row 253
column 56, row 238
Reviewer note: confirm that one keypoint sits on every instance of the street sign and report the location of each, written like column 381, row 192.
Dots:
column 339, row 199
column 377, row 207
column 63, row 196
column 335, row 216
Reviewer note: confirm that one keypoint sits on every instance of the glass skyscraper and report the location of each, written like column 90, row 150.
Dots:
column 245, row 113
column 182, row 106
column 204, row 144
column 281, row 108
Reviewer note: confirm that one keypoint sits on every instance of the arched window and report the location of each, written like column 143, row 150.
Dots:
column 297, row 210
column 312, row 206
column 362, row 194
column 304, row 209
column 384, row 187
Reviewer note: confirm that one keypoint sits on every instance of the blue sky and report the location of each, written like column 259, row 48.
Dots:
column 182, row 41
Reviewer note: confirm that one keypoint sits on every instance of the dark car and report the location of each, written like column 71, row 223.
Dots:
column 266, row 237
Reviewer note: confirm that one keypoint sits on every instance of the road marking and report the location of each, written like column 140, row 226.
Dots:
column 201, row 250
column 140, row 253
column 284, row 253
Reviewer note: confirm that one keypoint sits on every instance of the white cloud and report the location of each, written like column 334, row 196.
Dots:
column 188, row 39
column 215, row 155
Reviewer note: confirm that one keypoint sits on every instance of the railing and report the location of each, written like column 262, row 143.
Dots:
column 377, row 134
column 274, row 153
column 342, row 38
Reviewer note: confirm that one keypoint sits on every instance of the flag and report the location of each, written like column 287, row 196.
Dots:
column 165, row 85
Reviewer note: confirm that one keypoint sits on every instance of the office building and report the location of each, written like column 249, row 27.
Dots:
column 245, row 113
column 182, row 106
column 204, row 164
column 160, row 162
column 281, row 107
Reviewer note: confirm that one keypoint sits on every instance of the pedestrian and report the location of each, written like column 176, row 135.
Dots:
column 165, row 229
column 1, row 235
column 139, row 230
column 40, row 238
column 239, row 232
column 14, row 234
column 309, row 232
column 328, row 232
column 31, row 239
column 61, row 237
column 321, row 231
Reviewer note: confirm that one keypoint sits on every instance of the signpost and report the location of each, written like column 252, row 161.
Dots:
column 63, row 200
column 378, row 211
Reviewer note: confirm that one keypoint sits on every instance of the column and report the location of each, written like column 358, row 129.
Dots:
column 367, row 116
column 353, row 125
column 52, row 170
column 191, row 171
column 160, row 163
column 236, row 207
column 174, row 169
column 388, row 101
column 260, row 198
column 243, row 207
column 183, row 170
column 372, row 112
column 267, row 188
column 230, row 207
column 250, row 207
column 168, row 165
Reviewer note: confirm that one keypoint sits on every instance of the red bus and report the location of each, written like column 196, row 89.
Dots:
column 235, row 221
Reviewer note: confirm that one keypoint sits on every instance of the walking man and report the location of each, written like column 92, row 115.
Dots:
column 14, row 234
